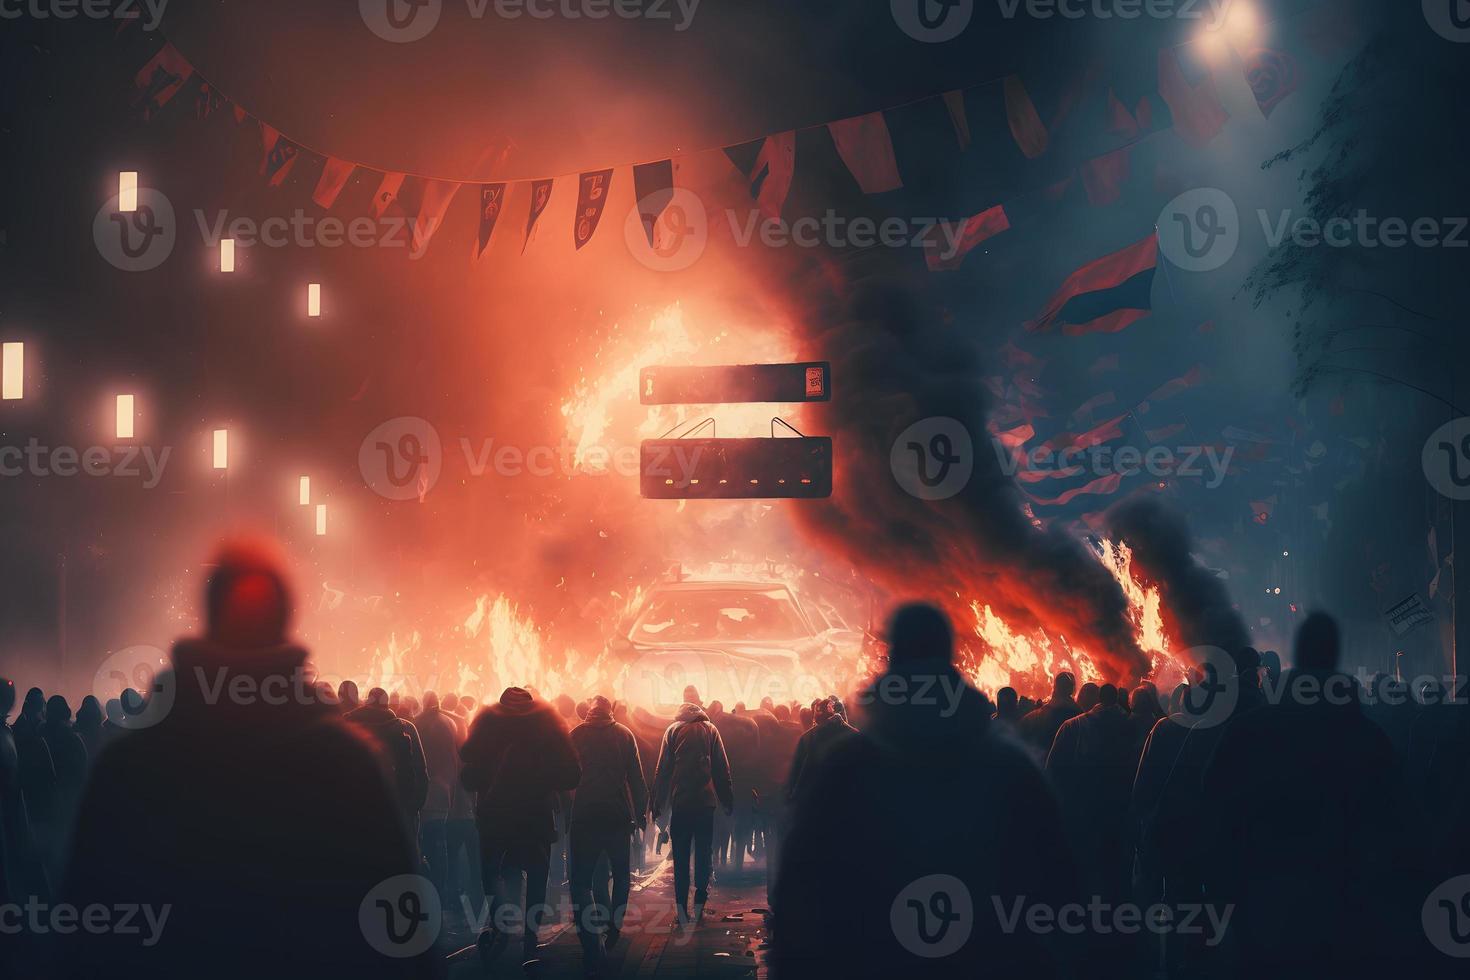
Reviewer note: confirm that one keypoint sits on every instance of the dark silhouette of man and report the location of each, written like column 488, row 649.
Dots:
column 1040, row 726
column 1303, row 797
column 253, row 828
column 88, row 725
column 348, row 697
column 742, row 747
column 611, row 799
column 439, row 738
column 518, row 758
column 829, row 729
column 401, row 752
column 915, row 829
column 692, row 776
column 1008, row 708
column 21, row 872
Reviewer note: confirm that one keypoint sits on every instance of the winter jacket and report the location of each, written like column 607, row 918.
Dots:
column 401, row 752
column 811, row 748
column 440, row 739
column 518, row 757
column 693, row 770
column 611, row 790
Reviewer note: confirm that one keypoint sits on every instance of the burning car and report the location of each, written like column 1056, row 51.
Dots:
column 734, row 640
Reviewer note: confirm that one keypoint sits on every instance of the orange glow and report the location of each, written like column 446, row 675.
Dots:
column 127, row 190
column 221, row 448
column 12, row 371
column 124, row 416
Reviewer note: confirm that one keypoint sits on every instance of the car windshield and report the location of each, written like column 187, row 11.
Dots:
column 713, row 615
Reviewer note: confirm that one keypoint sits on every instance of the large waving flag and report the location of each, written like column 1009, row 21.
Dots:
column 1106, row 295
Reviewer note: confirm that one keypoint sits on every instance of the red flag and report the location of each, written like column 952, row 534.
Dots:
column 1198, row 114
column 492, row 201
column 1107, row 432
column 1102, row 485
column 1167, row 432
column 1173, row 387
column 207, row 100
column 1105, row 295
column 279, row 155
column 592, row 191
column 540, row 197
column 1097, row 401
column 1272, row 76
column 334, row 177
column 775, row 165
column 958, row 117
column 435, row 201
column 946, row 245
column 1103, row 177
column 865, row 146
column 160, row 80
column 387, row 193
column 1017, row 437
column 1016, row 357
column 1025, row 124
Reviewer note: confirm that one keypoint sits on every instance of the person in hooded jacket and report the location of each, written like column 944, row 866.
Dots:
column 693, row 774
column 440, row 740
column 251, row 830
column 742, row 746
column 69, row 756
column 402, row 753
column 611, row 799
column 518, row 758
column 916, row 830
column 88, row 726
column 830, row 728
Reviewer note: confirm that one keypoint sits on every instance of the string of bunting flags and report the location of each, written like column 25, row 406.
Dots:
column 1054, row 117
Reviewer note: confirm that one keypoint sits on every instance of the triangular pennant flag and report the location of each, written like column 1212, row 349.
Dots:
column 592, row 191
column 945, row 247
column 386, row 193
column 279, row 155
column 334, row 177
column 160, row 80
column 1103, row 177
column 207, row 100
column 1272, row 76
column 1026, row 127
column 540, row 197
column 866, row 147
column 435, row 201
column 653, row 186
column 955, row 103
column 240, row 115
column 492, row 202
column 770, row 179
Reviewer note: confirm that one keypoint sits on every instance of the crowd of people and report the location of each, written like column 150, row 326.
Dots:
column 899, row 832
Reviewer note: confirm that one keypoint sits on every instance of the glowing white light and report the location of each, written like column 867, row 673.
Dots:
column 314, row 299
column 227, row 255
column 1286, row 554
column 304, row 494
column 321, row 519
column 221, row 448
column 125, row 416
column 12, row 371
column 127, row 190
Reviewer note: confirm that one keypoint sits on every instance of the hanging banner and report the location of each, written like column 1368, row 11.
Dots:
column 540, row 197
column 334, row 178
column 160, row 80
column 280, row 155
column 653, row 186
column 592, row 191
column 866, row 147
column 492, row 200
column 435, row 201
column 387, row 193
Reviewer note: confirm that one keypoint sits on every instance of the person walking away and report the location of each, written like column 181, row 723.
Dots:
column 402, row 753
column 693, row 775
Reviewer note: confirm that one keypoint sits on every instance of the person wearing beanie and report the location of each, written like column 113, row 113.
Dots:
column 693, row 774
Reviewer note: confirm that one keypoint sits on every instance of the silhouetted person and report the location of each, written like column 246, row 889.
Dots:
column 88, row 726
column 1040, row 726
column 1304, row 798
column 401, row 752
column 21, row 871
column 113, row 725
column 693, row 775
column 1144, row 714
column 1008, row 707
column 439, row 737
column 829, row 729
column 611, row 799
column 258, row 824
column 1087, row 697
column 348, row 697
column 518, row 757
column 1092, row 763
column 69, row 757
column 925, row 788
column 742, row 748
column 40, row 783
